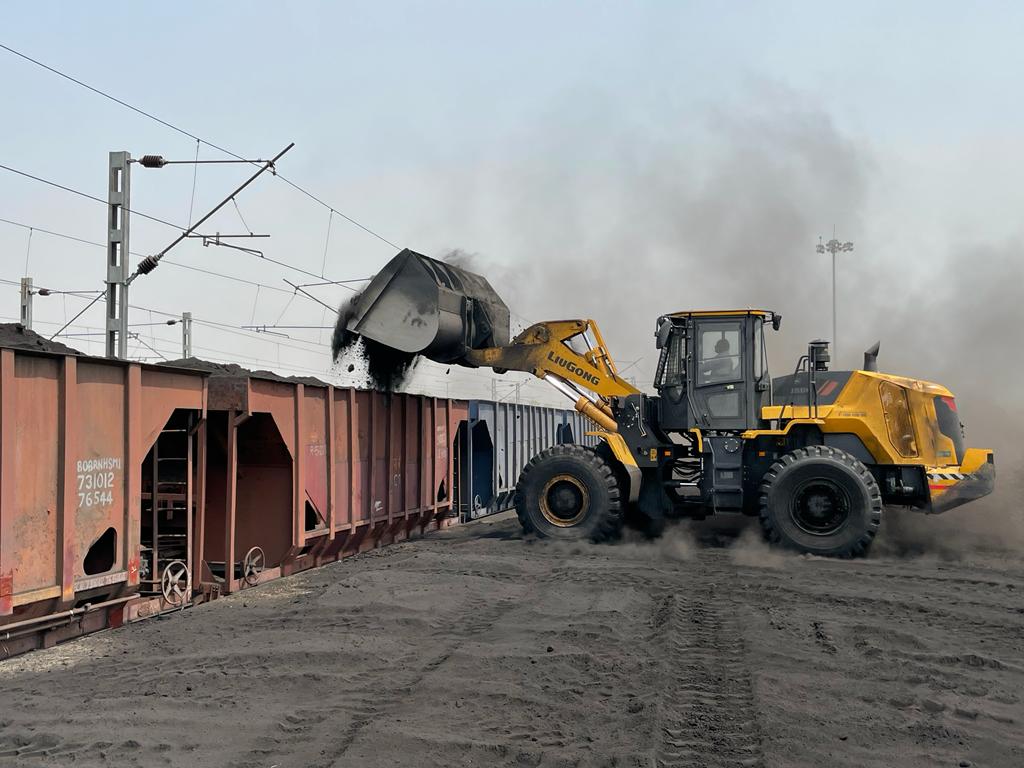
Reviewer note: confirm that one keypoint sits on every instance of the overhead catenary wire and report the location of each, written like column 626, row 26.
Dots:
column 286, row 306
column 312, row 348
column 96, row 244
column 333, row 282
column 152, row 330
column 241, row 218
column 236, row 330
column 51, row 232
column 235, row 357
column 184, row 230
column 101, row 93
column 323, row 267
column 286, row 327
column 55, row 292
column 236, row 279
column 246, row 281
column 82, row 312
column 233, row 329
column 301, row 346
column 182, row 131
column 138, row 338
column 199, row 140
column 166, row 350
column 28, row 249
column 326, row 307
column 92, row 331
column 150, row 263
column 255, row 301
column 167, row 223
column 195, row 178
column 342, row 283
column 43, row 291
column 86, row 195
column 327, row 242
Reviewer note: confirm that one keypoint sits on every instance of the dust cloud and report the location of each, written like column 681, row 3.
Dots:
column 752, row 551
column 992, row 524
column 676, row 544
column 621, row 223
column 457, row 257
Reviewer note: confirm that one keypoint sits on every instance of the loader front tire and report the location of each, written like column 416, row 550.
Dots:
column 821, row 501
column 569, row 492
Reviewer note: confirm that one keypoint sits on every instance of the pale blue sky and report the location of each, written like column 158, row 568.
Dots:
column 528, row 133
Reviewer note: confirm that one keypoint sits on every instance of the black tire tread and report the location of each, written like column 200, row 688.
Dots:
column 818, row 452
column 609, row 526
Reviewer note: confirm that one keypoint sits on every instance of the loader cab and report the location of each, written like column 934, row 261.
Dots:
column 712, row 369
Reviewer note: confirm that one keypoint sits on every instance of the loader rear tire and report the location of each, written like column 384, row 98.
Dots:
column 821, row 501
column 569, row 492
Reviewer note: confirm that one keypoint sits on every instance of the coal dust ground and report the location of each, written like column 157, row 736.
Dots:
column 475, row 647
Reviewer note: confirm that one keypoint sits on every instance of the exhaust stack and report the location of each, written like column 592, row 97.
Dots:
column 871, row 357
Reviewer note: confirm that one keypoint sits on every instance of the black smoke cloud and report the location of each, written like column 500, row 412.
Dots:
column 594, row 219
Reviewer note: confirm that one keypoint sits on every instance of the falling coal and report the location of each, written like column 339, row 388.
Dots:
column 387, row 368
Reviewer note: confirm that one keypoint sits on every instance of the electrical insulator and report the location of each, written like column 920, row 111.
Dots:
column 148, row 264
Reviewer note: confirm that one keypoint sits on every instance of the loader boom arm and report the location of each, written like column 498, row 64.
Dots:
column 590, row 377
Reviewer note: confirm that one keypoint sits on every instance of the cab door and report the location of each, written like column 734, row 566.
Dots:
column 723, row 386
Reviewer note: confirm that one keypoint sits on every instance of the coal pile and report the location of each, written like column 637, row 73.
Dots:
column 17, row 336
column 235, row 371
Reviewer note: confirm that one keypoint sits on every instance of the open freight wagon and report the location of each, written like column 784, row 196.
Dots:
column 496, row 441
column 129, row 489
column 75, row 436
column 300, row 473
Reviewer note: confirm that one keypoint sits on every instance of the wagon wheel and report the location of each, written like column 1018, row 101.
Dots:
column 253, row 565
column 175, row 582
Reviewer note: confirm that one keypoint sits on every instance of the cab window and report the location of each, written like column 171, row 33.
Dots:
column 758, row 349
column 720, row 354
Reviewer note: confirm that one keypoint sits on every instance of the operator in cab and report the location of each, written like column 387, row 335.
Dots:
column 721, row 367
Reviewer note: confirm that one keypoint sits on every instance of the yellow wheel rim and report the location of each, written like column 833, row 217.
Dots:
column 564, row 501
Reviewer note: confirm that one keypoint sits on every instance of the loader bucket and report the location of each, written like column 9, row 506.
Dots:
column 418, row 305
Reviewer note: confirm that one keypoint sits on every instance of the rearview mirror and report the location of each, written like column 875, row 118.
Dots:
column 663, row 332
column 776, row 321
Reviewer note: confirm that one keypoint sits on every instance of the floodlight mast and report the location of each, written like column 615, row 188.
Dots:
column 833, row 246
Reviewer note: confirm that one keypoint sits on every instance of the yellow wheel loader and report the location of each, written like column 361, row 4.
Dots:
column 817, row 455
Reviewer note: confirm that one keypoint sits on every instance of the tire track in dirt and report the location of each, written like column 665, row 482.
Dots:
column 1000, row 622
column 27, row 746
column 862, row 659
column 708, row 712
column 314, row 737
